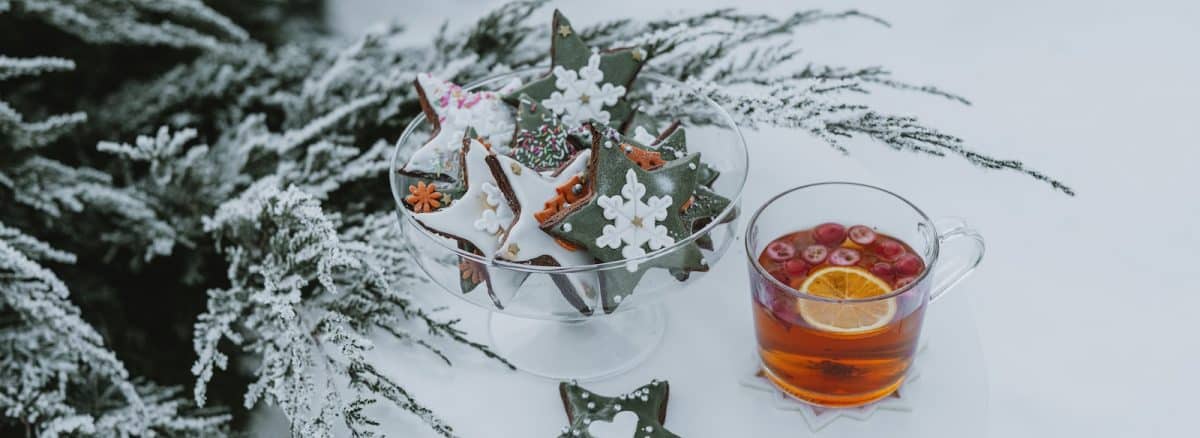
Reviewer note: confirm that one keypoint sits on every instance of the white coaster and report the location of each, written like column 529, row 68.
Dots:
column 818, row 417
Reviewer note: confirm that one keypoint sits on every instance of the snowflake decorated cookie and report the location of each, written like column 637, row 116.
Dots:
column 584, row 84
column 528, row 193
column 451, row 110
column 587, row 410
column 629, row 212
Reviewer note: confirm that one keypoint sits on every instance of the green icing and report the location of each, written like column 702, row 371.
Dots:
column 675, row 145
column 568, row 50
column 584, row 407
column 540, row 140
column 584, row 224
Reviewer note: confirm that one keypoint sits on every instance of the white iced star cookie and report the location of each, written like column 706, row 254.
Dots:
column 480, row 216
column 529, row 193
column 451, row 110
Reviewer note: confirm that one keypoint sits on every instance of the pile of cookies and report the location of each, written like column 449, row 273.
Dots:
column 562, row 171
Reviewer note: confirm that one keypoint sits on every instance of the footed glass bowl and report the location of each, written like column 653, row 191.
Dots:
column 533, row 324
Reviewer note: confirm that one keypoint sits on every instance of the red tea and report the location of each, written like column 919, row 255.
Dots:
column 853, row 343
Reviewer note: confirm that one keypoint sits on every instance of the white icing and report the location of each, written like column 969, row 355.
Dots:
column 582, row 95
column 635, row 222
column 457, row 110
column 473, row 218
column 531, row 190
column 567, row 227
column 640, row 135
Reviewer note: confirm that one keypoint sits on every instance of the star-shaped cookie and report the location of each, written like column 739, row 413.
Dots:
column 477, row 220
column 528, row 193
column 451, row 110
column 584, row 407
column 540, row 140
column 629, row 212
column 584, row 84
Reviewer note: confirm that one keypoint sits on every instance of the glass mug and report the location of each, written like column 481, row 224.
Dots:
column 868, row 355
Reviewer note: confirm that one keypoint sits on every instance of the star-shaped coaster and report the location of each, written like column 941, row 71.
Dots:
column 628, row 212
column 585, row 408
column 527, row 193
column 540, row 141
column 818, row 417
column 584, row 84
column 477, row 220
column 451, row 110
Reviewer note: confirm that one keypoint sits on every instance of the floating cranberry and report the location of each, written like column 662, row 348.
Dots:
column 905, row 281
column 829, row 233
column 796, row 267
column 882, row 270
column 909, row 264
column 861, row 235
column 815, row 254
column 889, row 249
column 780, row 251
column 844, row 257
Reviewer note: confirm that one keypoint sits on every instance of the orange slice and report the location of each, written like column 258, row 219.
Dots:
column 846, row 283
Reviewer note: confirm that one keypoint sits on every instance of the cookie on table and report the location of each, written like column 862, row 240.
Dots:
column 648, row 403
column 584, row 84
column 530, row 194
column 451, row 110
column 629, row 211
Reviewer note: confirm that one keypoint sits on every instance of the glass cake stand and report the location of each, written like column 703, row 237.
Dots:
column 531, row 323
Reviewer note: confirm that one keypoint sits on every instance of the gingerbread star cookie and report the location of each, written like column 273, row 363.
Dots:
column 629, row 212
column 584, row 408
column 451, row 110
column 541, row 141
column 584, row 84
column 530, row 194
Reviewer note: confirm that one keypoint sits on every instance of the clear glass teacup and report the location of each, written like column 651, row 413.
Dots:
column 840, row 274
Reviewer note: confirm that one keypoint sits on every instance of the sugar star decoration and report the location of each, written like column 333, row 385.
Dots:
column 479, row 218
column 628, row 212
column 585, row 408
column 451, row 110
column 526, row 192
column 540, row 141
column 817, row 417
column 584, row 84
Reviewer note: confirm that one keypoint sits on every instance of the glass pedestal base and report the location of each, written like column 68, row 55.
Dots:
column 582, row 350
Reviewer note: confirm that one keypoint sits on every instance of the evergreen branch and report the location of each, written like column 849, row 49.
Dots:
column 17, row 67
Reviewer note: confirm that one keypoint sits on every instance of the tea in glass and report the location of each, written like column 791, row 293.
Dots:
column 830, row 329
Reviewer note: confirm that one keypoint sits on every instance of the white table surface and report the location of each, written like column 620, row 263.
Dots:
column 1081, row 320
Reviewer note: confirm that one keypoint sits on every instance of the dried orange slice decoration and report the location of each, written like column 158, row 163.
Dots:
column 846, row 283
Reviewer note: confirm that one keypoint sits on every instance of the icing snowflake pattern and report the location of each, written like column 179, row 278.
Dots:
column 581, row 96
column 493, row 219
column 635, row 222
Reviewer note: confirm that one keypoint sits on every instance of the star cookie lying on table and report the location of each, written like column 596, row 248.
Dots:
column 628, row 212
column 451, row 110
column 586, row 408
column 529, row 193
column 584, row 84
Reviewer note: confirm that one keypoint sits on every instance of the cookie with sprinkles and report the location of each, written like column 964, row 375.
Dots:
column 584, row 83
column 450, row 110
column 648, row 403
column 540, row 140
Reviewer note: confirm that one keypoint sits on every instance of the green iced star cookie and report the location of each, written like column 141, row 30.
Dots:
column 540, row 142
column 584, row 84
column 629, row 212
column 584, row 407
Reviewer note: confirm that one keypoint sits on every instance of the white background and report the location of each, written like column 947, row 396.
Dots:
column 1086, row 308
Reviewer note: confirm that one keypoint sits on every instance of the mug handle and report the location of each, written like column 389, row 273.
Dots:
column 952, row 270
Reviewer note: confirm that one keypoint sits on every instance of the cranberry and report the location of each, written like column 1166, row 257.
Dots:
column 829, row 233
column 882, row 270
column 905, row 281
column 889, row 249
column 796, row 267
column 861, row 235
column 815, row 254
column 909, row 264
column 782, row 276
column 780, row 251
column 844, row 257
